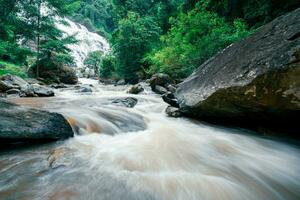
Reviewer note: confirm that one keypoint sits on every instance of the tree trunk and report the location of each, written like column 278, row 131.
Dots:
column 38, row 40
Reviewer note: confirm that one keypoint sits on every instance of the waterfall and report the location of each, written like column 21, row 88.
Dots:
column 87, row 42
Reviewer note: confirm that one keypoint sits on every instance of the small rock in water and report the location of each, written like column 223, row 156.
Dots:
column 135, row 89
column 171, row 88
column 42, row 91
column 173, row 112
column 129, row 102
column 160, row 90
column 58, row 86
column 85, row 89
column 170, row 99
column 121, row 82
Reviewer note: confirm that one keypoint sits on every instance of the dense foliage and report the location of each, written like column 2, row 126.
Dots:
column 147, row 36
column 96, row 15
column 28, row 32
column 107, row 67
column 191, row 31
column 93, row 61
column 194, row 37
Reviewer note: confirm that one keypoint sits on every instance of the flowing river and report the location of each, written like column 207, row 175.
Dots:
column 139, row 153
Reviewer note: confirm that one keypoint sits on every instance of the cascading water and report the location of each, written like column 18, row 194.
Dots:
column 87, row 42
column 140, row 153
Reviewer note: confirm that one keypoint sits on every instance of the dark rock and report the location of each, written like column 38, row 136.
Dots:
column 252, row 83
column 8, row 82
column 3, row 95
column 129, row 102
column 121, row 82
column 170, row 99
column 58, row 86
column 135, row 89
column 160, row 80
column 84, row 89
column 160, row 90
column 107, row 81
column 67, row 75
column 28, row 93
column 42, row 91
column 51, row 72
column 34, row 81
column 13, row 91
column 173, row 112
column 171, row 88
column 22, row 124
column 4, row 86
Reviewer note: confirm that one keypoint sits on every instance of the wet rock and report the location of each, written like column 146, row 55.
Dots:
column 107, row 81
column 121, row 82
column 171, row 88
column 160, row 80
column 13, row 91
column 8, row 82
column 170, row 99
column 28, row 93
column 42, row 91
column 173, row 112
column 129, row 102
column 252, row 83
column 84, row 89
column 4, row 86
column 135, row 89
column 52, row 72
column 67, row 75
column 23, row 124
column 3, row 95
column 160, row 90
column 34, row 81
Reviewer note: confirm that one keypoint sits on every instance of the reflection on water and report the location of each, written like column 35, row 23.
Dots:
column 139, row 153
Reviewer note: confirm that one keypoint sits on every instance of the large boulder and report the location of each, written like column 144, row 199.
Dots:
column 253, row 83
column 42, row 91
column 22, row 124
column 9, row 82
column 52, row 72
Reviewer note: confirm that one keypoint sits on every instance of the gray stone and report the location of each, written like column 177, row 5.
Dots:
column 173, row 112
column 129, row 102
column 135, row 89
column 23, row 124
column 13, row 91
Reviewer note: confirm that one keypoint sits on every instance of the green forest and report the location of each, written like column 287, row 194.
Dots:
column 147, row 36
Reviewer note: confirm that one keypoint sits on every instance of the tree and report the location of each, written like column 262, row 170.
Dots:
column 94, row 60
column 193, row 38
column 134, row 37
column 107, row 67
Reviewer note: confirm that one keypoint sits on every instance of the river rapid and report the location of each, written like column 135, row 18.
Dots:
column 141, row 154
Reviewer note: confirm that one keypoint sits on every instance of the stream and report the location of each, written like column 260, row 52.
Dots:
column 141, row 154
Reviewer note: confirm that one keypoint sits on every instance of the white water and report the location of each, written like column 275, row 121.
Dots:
column 88, row 41
column 140, row 153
